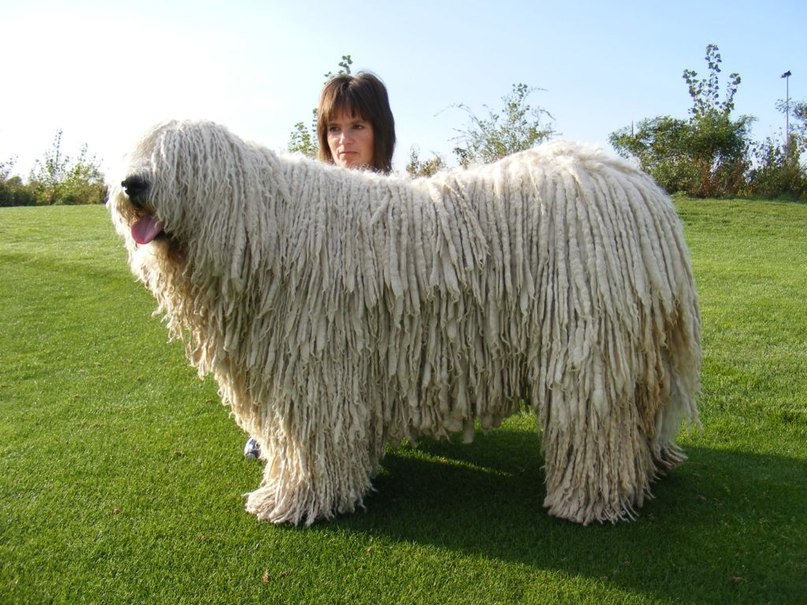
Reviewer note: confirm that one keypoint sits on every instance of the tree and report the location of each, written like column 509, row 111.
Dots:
column 305, row 140
column 417, row 167
column 344, row 68
column 705, row 93
column 659, row 144
column 516, row 127
column 706, row 155
column 798, row 126
column 800, row 114
column 12, row 190
column 718, row 145
column 59, row 179
column 776, row 171
column 777, row 168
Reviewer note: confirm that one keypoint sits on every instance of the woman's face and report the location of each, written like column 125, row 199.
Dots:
column 350, row 139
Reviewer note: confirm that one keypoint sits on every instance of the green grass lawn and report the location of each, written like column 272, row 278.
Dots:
column 122, row 479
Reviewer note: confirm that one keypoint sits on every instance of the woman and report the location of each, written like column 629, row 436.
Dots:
column 356, row 129
column 355, row 125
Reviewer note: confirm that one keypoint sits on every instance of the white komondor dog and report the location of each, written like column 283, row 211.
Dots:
column 340, row 311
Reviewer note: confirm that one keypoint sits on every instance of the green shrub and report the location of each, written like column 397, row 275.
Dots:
column 59, row 179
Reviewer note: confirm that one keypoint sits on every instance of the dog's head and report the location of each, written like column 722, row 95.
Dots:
column 137, row 202
column 177, row 179
column 195, row 198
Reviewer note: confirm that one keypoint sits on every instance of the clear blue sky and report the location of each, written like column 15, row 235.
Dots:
column 103, row 71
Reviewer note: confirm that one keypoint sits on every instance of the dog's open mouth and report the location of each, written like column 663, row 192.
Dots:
column 146, row 229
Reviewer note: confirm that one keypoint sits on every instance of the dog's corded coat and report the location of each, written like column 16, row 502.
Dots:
column 340, row 311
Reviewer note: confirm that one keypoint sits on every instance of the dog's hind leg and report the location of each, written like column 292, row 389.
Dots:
column 598, row 466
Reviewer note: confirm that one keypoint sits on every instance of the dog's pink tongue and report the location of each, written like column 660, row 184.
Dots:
column 146, row 229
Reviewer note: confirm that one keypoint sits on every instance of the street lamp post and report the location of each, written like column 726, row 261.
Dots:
column 786, row 76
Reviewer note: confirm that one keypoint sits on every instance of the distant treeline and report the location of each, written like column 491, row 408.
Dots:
column 709, row 154
column 55, row 179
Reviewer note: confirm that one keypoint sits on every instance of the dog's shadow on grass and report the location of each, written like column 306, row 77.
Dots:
column 485, row 499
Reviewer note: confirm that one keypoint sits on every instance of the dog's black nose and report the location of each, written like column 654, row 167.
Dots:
column 136, row 188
